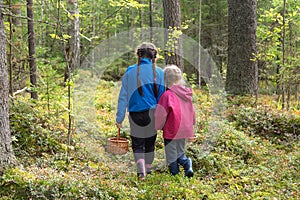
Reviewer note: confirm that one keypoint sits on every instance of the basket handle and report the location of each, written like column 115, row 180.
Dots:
column 118, row 135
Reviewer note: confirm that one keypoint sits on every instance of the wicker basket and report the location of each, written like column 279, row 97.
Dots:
column 117, row 145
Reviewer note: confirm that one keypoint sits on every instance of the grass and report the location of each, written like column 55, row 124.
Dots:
column 228, row 164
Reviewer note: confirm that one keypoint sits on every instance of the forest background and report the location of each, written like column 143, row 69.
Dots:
column 61, row 63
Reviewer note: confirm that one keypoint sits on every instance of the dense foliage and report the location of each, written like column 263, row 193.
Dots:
column 33, row 131
column 266, row 121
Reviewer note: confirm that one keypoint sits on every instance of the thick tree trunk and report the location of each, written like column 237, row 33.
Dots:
column 31, row 48
column 172, row 21
column 6, row 152
column 242, row 71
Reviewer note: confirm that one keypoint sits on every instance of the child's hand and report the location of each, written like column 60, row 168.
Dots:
column 190, row 140
column 119, row 125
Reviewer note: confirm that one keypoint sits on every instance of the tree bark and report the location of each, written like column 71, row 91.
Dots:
column 172, row 21
column 283, row 57
column 151, row 20
column 16, row 10
column 72, row 54
column 242, row 70
column 6, row 152
column 10, row 18
column 31, row 48
column 73, row 45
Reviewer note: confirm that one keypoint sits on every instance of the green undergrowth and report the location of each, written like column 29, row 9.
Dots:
column 228, row 163
column 36, row 130
column 278, row 125
column 237, row 166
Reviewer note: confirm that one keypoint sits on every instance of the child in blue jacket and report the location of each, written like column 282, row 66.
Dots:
column 142, row 86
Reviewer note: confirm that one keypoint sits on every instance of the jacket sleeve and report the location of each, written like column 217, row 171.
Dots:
column 194, row 114
column 161, row 112
column 160, row 82
column 122, row 101
column 194, row 117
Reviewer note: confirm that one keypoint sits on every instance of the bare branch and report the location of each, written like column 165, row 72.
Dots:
column 27, row 18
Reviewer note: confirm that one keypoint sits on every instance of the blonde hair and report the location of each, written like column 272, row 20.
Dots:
column 173, row 75
column 146, row 50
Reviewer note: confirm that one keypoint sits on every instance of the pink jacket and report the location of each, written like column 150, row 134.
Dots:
column 175, row 113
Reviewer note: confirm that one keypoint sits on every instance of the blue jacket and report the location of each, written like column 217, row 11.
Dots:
column 129, row 97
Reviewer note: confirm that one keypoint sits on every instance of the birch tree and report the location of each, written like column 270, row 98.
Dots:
column 72, row 49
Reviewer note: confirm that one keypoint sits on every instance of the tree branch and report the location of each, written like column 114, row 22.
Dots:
column 27, row 18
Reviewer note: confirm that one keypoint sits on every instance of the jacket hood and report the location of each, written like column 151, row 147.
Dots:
column 182, row 92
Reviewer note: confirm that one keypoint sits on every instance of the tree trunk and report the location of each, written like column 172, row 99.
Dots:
column 172, row 24
column 31, row 48
column 242, row 70
column 72, row 55
column 16, row 10
column 93, row 36
column 6, row 152
column 10, row 18
column 199, row 41
column 151, row 20
column 283, row 56
column 73, row 46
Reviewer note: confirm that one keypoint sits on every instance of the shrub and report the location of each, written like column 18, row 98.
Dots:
column 34, row 131
column 265, row 121
column 214, row 154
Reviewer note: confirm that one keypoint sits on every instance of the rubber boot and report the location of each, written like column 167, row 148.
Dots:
column 174, row 168
column 148, row 168
column 187, row 166
column 141, row 170
column 188, row 169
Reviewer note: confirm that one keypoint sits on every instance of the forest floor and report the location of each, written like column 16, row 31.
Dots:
column 228, row 163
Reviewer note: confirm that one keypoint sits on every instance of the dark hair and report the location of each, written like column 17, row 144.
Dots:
column 146, row 50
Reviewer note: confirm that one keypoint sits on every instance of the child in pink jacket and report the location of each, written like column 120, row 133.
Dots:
column 175, row 115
